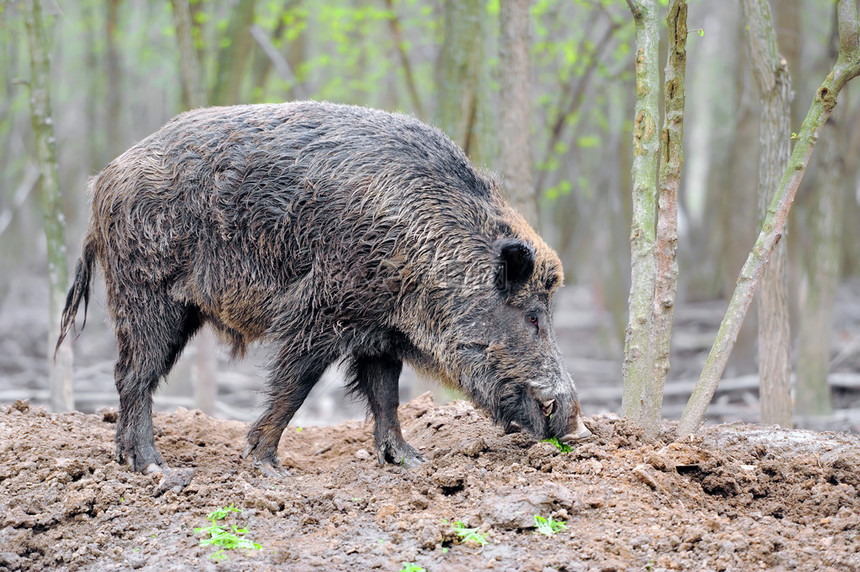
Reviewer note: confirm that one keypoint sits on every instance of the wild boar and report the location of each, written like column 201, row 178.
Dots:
column 331, row 232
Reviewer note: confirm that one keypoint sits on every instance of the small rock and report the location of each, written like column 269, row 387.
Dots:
column 174, row 480
column 643, row 473
column 135, row 560
column 363, row 454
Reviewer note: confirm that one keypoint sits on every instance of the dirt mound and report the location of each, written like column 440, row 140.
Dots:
column 736, row 497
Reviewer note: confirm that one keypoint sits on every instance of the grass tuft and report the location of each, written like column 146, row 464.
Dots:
column 563, row 447
column 548, row 527
column 231, row 539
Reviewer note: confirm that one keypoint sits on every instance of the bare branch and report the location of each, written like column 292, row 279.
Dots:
column 634, row 8
column 282, row 66
column 397, row 34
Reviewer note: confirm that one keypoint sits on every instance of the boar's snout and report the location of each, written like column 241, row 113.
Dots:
column 578, row 431
column 563, row 417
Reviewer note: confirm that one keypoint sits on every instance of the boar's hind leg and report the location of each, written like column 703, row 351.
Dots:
column 377, row 378
column 150, row 339
column 289, row 384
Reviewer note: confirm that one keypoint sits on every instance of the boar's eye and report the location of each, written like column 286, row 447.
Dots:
column 533, row 320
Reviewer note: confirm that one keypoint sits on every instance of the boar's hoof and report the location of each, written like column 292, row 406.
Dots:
column 401, row 453
column 266, row 464
column 271, row 468
column 142, row 459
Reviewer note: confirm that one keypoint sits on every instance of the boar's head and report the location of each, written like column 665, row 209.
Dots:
column 507, row 356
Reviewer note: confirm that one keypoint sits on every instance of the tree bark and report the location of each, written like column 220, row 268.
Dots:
column 463, row 79
column 774, row 332
column 846, row 68
column 820, row 275
column 60, row 377
column 114, row 83
column 638, row 367
column 515, row 108
column 233, row 54
column 400, row 45
column 666, row 246
column 189, row 66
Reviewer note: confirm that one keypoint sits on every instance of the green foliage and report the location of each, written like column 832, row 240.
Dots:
column 469, row 534
column 563, row 447
column 411, row 567
column 226, row 539
column 548, row 526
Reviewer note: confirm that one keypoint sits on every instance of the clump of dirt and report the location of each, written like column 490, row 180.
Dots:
column 735, row 497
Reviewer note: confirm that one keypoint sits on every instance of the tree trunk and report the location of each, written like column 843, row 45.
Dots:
column 60, row 376
column 400, row 45
column 233, row 54
column 113, row 104
column 820, row 275
column 515, row 108
column 735, row 202
column 666, row 245
column 193, row 90
column 638, row 367
column 774, row 333
column 846, row 68
column 203, row 378
column 462, row 110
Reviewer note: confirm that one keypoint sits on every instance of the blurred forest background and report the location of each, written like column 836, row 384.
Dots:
column 121, row 68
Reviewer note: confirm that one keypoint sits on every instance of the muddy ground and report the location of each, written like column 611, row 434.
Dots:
column 738, row 497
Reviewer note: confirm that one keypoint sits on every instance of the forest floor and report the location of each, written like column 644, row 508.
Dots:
column 736, row 497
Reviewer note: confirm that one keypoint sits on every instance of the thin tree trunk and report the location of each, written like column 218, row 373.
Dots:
column 203, row 378
column 846, row 68
column 204, row 371
column 774, row 333
column 463, row 79
column 515, row 108
column 820, row 275
column 60, row 376
column 233, row 54
column 400, row 45
column 193, row 90
column 638, row 367
column 666, row 246
column 114, row 83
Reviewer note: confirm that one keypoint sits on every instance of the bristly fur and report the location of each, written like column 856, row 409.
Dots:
column 333, row 232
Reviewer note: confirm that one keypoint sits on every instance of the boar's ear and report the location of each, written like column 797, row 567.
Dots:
column 516, row 263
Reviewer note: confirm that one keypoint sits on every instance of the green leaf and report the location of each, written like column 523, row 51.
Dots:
column 548, row 527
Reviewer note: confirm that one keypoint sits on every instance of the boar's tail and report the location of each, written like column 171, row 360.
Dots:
column 80, row 290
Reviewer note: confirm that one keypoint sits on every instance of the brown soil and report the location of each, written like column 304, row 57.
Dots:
column 737, row 497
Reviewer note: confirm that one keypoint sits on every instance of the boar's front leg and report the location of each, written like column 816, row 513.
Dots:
column 289, row 385
column 377, row 378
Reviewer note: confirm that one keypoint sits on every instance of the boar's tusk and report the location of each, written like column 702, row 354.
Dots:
column 548, row 406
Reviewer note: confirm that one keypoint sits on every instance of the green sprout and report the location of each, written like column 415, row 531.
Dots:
column 563, row 447
column 226, row 539
column 467, row 534
column 548, row 527
column 411, row 567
